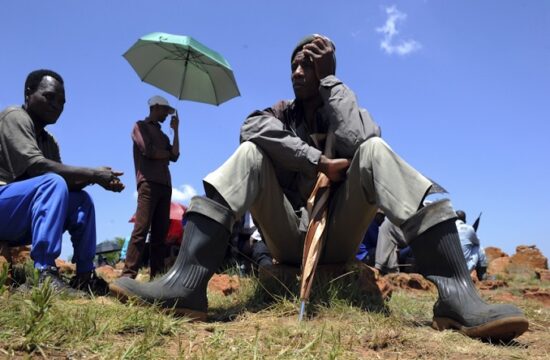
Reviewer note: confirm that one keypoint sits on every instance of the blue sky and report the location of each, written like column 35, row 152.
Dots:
column 460, row 88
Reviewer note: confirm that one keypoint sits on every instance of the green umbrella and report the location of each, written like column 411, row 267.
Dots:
column 183, row 67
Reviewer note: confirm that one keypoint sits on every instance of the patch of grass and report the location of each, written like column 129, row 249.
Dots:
column 4, row 276
column 251, row 323
column 38, row 316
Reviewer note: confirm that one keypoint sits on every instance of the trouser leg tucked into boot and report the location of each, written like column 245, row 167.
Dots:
column 183, row 287
column 433, row 237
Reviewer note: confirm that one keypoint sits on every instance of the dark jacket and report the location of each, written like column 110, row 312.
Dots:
column 282, row 133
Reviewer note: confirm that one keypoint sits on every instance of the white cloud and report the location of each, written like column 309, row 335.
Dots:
column 389, row 43
column 183, row 193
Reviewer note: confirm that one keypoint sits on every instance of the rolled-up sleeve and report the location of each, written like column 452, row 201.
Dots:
column 350, row 124
column 18, row 142
column 146, row 146
column 281, row 145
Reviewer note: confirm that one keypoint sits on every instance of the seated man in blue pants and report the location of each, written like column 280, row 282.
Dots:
column 40, row 197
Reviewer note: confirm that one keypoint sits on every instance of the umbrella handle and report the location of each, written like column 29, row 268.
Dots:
column 302, row 310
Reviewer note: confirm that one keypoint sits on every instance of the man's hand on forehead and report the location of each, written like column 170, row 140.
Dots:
column 323, row 41
column 317, row 46
column 321, row 53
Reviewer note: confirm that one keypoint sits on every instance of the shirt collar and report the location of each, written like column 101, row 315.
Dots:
column 151, row 122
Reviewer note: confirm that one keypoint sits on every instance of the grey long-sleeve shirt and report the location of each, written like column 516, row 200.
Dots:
column 282, row 133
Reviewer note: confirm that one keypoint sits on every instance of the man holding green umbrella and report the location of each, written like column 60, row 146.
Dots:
column 274, row 171
column 152, row 155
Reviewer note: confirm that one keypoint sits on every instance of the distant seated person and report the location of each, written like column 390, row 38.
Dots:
column 392, row 251
column 40, row 197
column 237, row 249
column 246, row 247
column 367, row 247
column 261, row 256
column 124, row 249
column 473, row 252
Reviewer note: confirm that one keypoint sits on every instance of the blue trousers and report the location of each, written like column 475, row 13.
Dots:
column 37, row 211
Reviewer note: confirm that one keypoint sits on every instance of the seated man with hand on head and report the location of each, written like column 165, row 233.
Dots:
column 40, row 197
column 273, row 172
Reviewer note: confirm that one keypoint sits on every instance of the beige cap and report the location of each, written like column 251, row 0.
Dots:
column 159, row 100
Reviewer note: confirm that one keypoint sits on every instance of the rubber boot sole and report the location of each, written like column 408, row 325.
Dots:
column 499, row 330
column 194, row 315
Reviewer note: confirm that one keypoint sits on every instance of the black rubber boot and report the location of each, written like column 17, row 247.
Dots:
column 436, row 247
column 183, row 287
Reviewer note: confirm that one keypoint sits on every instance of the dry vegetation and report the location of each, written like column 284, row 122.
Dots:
column 251, row 324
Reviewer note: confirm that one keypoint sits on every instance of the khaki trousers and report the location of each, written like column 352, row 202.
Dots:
column 376, row 178
column 390, row 240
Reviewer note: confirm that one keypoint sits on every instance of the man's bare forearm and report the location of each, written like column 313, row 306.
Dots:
column 78, row 177
column 174, row 125
column 175, row 152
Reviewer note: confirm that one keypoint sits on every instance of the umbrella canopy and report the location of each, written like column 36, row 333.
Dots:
column 175, row 229
column 177, row 211
column 107, row 247
column 183, row 67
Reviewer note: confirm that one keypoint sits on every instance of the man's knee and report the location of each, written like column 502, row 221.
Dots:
column 55, row 186
column 83, row 198
column 54, row 180
column 251, row 150
column 247, row 154
column 373, row 145
column 86, row 198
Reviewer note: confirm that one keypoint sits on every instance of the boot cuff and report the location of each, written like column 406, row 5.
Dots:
column 213, row 210
column 427, row 217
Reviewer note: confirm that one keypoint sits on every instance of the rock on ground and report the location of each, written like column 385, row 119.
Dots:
column 527, row 259
column 410, row 281
column 224, row 284
column 493, row 253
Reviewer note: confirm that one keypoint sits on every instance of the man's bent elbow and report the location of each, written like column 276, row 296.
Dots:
column 41, row 167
